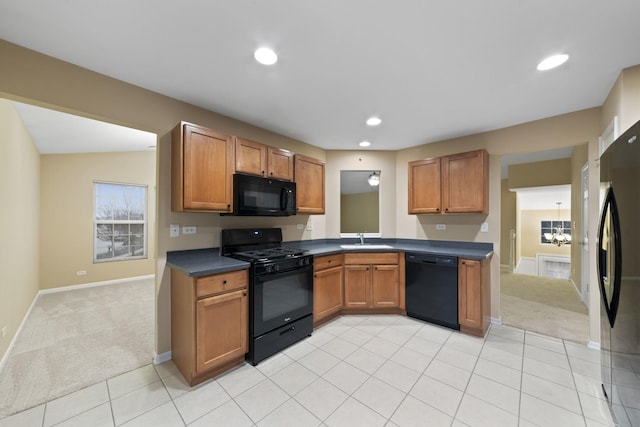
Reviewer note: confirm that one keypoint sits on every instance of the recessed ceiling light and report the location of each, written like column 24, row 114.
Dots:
column 265, row 56
column 552, row 62
column 374, row 121
column 364, row 144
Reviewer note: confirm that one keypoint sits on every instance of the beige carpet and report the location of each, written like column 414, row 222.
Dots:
column 539, row 304
column 77, row 338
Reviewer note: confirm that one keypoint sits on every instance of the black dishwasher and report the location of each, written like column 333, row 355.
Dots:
column 432, row 288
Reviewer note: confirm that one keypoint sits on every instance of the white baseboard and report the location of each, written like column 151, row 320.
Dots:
column 576, row 288
column 5, row 357
column 593, row 345
column 94, row 284
column 161, row 358
column 496, row 320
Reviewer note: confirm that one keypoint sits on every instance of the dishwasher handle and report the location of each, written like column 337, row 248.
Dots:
column 439, row 260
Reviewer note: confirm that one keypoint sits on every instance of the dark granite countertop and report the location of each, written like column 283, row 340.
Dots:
column 202, row 262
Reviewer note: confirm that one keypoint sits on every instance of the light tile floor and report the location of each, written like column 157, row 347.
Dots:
column 361, row 371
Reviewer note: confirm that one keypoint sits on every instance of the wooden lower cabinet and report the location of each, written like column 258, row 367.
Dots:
column 209, row 323
column 473, row 296
column 327, row 288
column 373, row 281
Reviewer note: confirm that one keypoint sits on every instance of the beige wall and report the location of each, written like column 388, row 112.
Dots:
column 540, row 174
column 507, row 222
column 19, row 221
column 357, row 213
column 530, row 232
column 66, row 201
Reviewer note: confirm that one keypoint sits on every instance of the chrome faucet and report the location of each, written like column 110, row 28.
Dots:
column 361, row 236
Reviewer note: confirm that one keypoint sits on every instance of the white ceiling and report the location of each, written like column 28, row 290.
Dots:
column 431, row 70
column 544, row 198
column 54, row 132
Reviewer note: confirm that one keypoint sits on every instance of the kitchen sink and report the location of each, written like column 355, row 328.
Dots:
column 365, row 246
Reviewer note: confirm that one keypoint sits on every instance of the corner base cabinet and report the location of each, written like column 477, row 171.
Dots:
column 209, row 323
column 473, row 296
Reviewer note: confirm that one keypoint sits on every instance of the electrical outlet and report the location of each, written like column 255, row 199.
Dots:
column 81, row 273
column 174, row 230
column 4, row 331
column 441, row 226
column 300, row 226
column 309, row 226
column 189, row 230
column 484, row 227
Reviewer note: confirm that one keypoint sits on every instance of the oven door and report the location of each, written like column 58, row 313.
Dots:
column 281, row 297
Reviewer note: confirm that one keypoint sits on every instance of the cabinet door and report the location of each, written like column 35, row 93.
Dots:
column 357, row 286
column 386, row 286
column 280, row 164
column 202, row 170
column 309, row 177
column 424, row 186
column 327, row 293
column 221, row 329
column 465, row 182
column 251, row 157
column 470, row 293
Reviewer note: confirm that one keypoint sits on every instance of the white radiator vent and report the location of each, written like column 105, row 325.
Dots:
column 555, row 266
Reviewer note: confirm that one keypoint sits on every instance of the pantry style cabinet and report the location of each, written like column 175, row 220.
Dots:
column 310, row 185
column 327, row 287
column 201, row 169
column 473, row 296
column 454, row 184
column 372, row 281
column 209, row 323
column 258, row 159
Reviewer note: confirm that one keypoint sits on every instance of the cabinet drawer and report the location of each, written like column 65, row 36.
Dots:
column 217, row 283
column 371, row 258
column 328, row 261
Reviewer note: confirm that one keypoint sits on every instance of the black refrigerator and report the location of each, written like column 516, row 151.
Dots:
column 619, row 275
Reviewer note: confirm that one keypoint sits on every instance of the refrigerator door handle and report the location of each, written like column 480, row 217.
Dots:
column 614, row 236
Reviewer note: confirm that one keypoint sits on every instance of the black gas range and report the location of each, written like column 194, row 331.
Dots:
column 280, row 289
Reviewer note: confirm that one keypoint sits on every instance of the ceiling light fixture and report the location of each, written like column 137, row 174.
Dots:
column 373, row 121
column 558, row 237
column 265, row 56
column 374, row 179
column 552, row 61
column 364, row 144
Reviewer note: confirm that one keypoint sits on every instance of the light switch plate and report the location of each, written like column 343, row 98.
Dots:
column 484, row 227
column 174, row 230
column 309, row 226
column 300, row 226
column 441, row 226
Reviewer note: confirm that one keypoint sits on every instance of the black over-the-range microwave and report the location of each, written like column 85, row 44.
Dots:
column 257, row 196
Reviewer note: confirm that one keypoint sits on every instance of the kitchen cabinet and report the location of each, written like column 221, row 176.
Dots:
column 209, row 323
column 373, row 281
column 258, row 159
column 327, row 287
column 458, row 183
column 201, row 169
column 473, row 296
column 310, row 184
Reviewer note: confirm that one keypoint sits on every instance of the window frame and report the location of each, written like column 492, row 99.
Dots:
column 96, row 222
column 554, row 225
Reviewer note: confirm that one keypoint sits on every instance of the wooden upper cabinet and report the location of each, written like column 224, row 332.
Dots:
column 465, row 182
column 251, row 157
column 424, row 186
column 280, row 163
column 201, row 169
column 258, row 159
column 310, row 182
column 458, row 183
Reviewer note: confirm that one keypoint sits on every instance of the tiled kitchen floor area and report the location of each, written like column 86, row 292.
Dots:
column 361, row 371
